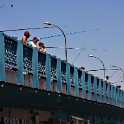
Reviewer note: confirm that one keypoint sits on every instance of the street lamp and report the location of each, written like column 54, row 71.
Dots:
column 119, row 69
column 100, row 61
column 48, row 23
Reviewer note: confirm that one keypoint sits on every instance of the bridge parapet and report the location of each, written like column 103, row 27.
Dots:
column 25, row 66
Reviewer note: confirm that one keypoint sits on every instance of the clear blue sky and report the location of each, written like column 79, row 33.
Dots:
column 77, row 15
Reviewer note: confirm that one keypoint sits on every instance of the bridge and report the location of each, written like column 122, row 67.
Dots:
column 34, row 83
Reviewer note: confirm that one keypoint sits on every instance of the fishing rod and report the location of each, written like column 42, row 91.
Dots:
column 52, row 36
column 79, row 53
column 72, row 48
column 71, row 33
column 22, row 29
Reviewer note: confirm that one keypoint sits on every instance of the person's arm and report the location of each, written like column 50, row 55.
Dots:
column 24, row 40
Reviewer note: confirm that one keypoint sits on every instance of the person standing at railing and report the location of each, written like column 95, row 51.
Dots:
column 25, row 37
column 34, row 41
column 41, row 47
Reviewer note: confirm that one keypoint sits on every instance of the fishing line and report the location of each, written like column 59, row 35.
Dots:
column 79, row 53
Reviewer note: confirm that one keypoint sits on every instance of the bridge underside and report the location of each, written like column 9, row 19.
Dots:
column 15, row 96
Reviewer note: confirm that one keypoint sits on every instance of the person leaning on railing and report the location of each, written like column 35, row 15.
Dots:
column 41, row 47
column 34, row 41
column 25, row 37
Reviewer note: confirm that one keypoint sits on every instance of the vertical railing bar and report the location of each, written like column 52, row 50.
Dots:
column 114, row 94
column 108, row 92
column 48, row 72
column 83, row 85
column 95, row 89
column 100, row 90
column 104, row 91
column 112, row 102
column 20, row 76
column 89, row 87
column 2, row 57
column 35, row 68
column 59, row 77
column 76, row 87
column 68, row 83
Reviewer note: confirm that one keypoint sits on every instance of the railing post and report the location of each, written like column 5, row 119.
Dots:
column 68, row 83
column 59, row 77
column 89, row 87
column 76, row 88
column 114, row 96
column 119, row 95
column 104, row 91
column 100, row 90
column 108, row 92
column 20, row 76
column 95, row 88
column 2, row 57
column 111, row 95
column 122, row 99
column 83, row 85
column 48, row 72
column 35, row 68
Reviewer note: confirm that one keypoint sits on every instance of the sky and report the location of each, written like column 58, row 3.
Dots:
column 100, row 24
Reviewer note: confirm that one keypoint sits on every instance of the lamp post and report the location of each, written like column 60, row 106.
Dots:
column 100, row 61
column 119, row 69
column 48, row 23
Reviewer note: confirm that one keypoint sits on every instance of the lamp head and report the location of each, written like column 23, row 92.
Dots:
column 113, row 66
column 90, row 55
column 47, row 23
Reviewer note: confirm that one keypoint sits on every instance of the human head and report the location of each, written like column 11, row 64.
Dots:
column 27, row 34
column 41, row 44
column 35, row 39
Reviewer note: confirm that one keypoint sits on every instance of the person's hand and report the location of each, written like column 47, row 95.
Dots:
column 25, row 42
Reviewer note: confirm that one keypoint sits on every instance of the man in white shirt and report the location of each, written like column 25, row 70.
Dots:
column 34, row 41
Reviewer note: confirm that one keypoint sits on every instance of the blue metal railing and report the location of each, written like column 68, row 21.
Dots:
column 14, row 54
